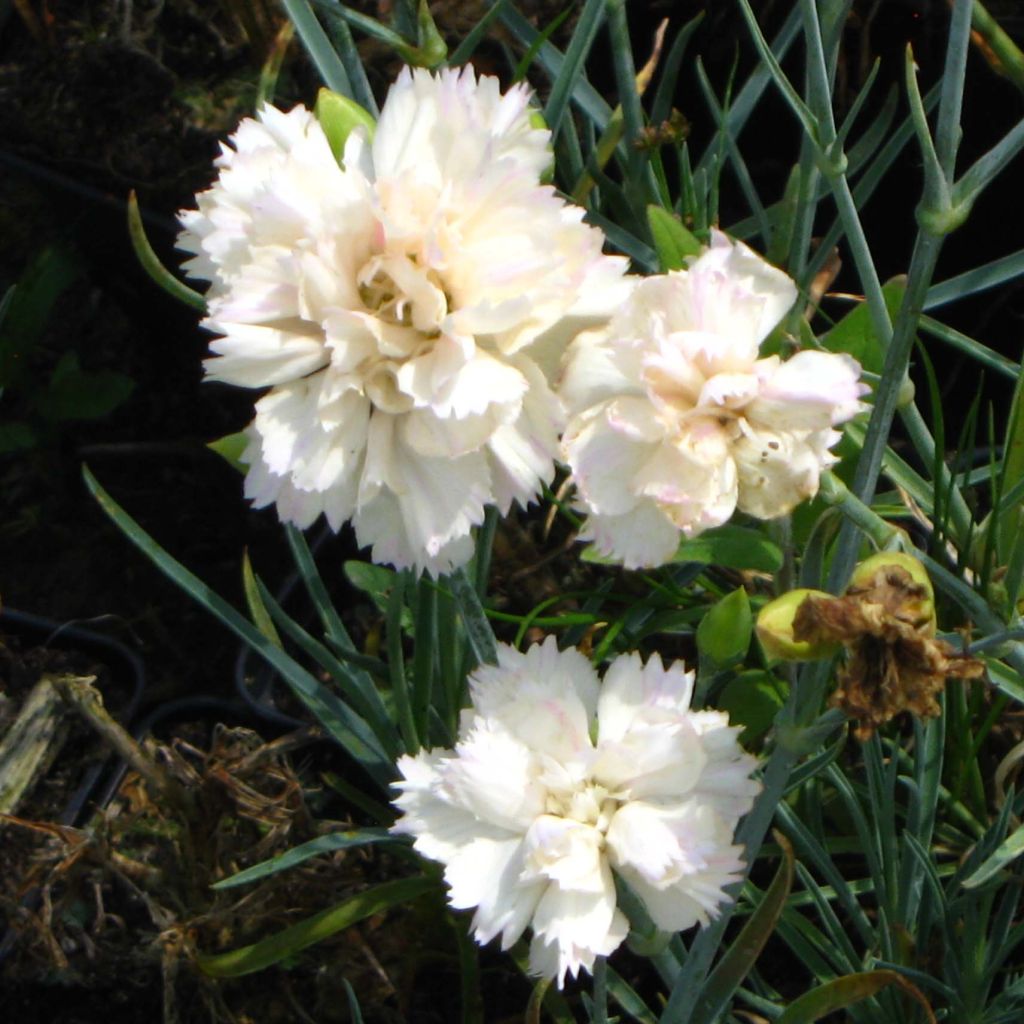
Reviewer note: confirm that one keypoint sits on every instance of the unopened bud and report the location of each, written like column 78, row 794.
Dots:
column 775, row 629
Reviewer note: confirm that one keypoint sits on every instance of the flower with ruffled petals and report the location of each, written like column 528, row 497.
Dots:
column 676, row 422
column 558, row 780
column 403, row 307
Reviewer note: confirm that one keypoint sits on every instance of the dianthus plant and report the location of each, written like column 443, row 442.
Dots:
column 484, row 298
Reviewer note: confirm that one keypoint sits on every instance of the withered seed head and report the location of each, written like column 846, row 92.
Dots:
column 886, row 622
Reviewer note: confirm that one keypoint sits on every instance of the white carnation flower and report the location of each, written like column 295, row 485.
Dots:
column 404, row 309
column 557, row 781
column 676, row 422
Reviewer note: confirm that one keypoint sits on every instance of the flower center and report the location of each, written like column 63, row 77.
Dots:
column 589, row 805
column 401, row 292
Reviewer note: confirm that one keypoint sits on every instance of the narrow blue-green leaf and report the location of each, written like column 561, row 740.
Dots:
column 770, row 61
column 551, row 60
column 753, row 89
column 478, row 628
column 306, row 564
column 625, row 241
column 970, row 347
column 661, row 105
column 739, row 165
column 151, row 262
column 534, row 48
column 424, row 656
column 345, row 46
column 472, row 39
column 358, row 687
column 339, row 720
column 741, row 956
column 298, row 937
column 354, row 1010
column 318, row 46
column 305, row 851
column 396, row 608
column 988, row 275
column 628, row 999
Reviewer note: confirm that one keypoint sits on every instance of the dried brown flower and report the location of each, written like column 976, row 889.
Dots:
column 886, row 622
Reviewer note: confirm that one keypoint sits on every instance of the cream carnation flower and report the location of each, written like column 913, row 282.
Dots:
column 557, row 781
column 676, row 422
column 402, row 308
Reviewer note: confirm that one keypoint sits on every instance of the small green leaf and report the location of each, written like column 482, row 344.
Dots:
column 305, row 851
column 151, row 262
column 733, row 547
column 298, row 937
column 752, row 700
column 855, row 335
column 723, row 635
column 257, row 609
column 845, row 991
column 230, row 448
column 338, row 116
column 28, row 305
column 77, row 394
column 672, row 242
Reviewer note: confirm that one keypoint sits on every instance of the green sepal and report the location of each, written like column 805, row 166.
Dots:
column 230, row 448
column 338, row 116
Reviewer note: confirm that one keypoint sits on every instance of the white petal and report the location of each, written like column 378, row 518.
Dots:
column 776, row 470
column 643, row 537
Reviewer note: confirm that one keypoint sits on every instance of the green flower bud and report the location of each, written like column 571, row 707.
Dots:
column 775, row 629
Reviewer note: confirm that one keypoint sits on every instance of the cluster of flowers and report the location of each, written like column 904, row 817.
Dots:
column 437, row 327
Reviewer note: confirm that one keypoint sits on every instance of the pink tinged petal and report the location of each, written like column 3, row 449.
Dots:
column 597, row 369
column 496, row 777
column 810, row 391
column 544, row 697
column 692, row 481
column 672, row 375
column 643, row 537
column 440, row 827
column 256, row 356
column 439, row 500
column 640, row 837
column 605, row 462
column 737, row 294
